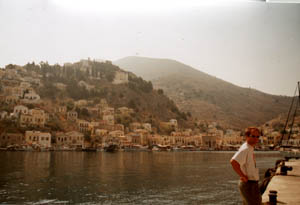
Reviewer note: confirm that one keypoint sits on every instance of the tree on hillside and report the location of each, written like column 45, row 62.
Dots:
column 10, row 66
column 49, row 91
column 160, row 91
column 84, row 112
column 32, row 67
column 110, row 76
column 77, row 92
column 70, row 105
column 132, row 104
column 138, row 84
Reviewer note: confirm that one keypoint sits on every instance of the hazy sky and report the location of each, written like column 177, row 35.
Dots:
column 251, row 44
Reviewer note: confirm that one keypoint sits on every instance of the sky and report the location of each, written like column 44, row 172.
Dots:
column 248, row 43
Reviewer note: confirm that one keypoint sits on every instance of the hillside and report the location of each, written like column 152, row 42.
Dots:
column 94, row 81
column 205, row 96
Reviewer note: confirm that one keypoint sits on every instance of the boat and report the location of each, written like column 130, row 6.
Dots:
column 111, row 148
column 15, row 147
column 159, row 147
column 177, row 149
column 291, row 153
column 290, row 148
column 188, row 148
column 89, row 149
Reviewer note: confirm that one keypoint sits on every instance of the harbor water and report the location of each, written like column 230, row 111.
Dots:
column 122, row 177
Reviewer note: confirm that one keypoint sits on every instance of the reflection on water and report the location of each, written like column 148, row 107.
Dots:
column 124, row 177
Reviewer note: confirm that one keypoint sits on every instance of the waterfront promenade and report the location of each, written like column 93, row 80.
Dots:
column 287, row 187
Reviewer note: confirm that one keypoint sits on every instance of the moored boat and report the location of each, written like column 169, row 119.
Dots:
column 111, row 148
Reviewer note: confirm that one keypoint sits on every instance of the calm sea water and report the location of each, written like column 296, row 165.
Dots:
column 121, row 178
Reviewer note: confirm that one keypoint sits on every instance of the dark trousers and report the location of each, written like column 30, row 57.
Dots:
column 250, row 193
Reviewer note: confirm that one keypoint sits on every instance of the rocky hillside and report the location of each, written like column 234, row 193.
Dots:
column 93, row 81
column 205, row 96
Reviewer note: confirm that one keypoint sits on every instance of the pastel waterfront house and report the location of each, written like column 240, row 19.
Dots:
column 83, row 125
column 12, row 99
column 103, row 104
column 20, row 109
column 109, row 119
column 124, row 141
column 93, row 110
column 147, row 126
column 123, row 111
column 153, row 140
column 17, row 91
column 35, row 117
column 273, row 138
column 80, row 103
column 76, row 138
column 116, row 133
column 25, row 85
column 173, row 122
column 140, row 137
column 39, row 117
column 26, row 120
column 184, row 138
column 61, row 109
column 108, row 111
column 72, row 116
column 29, row 90
column 14, row 91
column 7, row 139
column 31, row 98
column 60, row 138
column 3, row 115
column 134, row 126
column 209, row 141
column 71, row 139
column 178, row 139
column 119, row 127
column 101, row 132
column 42, row 139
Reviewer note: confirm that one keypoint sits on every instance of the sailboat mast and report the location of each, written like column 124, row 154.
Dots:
column 294, row 116
column 289, row 113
